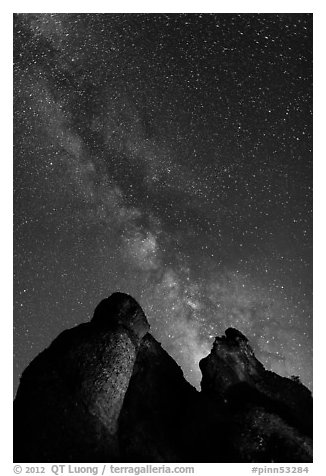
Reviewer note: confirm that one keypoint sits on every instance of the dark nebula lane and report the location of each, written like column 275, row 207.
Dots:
column 168, row 156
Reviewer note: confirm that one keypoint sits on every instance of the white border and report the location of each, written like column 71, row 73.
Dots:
column 277, row 6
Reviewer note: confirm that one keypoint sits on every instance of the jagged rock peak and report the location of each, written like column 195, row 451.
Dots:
column 234, row 343
column 120, row 308
column 232, row 375
column 231, row 361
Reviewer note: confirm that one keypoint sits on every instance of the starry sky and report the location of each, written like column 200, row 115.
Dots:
column 168, row 156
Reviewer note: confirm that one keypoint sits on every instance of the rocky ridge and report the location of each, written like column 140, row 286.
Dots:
column 106, row 391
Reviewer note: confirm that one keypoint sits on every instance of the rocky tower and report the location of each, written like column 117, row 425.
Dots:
column 70, row 397
column 230, row 362
column 270, row 417
column 106, row 391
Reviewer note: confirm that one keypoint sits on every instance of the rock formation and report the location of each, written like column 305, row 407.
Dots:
column 106, row 391
column 70, row 397
column 270, row 415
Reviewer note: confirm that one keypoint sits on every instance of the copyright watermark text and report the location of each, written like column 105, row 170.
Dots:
column 66, row 469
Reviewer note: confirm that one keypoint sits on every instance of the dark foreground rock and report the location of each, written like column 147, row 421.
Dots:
column 106, row 391
column 270, row 417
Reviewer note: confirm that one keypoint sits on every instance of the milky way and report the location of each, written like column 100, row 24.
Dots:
column 168, row 156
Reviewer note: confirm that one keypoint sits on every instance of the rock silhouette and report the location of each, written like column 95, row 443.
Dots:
column 106, row 391
column 272, row 417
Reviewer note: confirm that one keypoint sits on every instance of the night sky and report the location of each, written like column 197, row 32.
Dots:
column 168, row 156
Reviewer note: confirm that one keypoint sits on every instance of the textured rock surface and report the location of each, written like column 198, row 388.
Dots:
column 107, row 391
column 70, row 396
column 271, row 415
column 156, row 407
